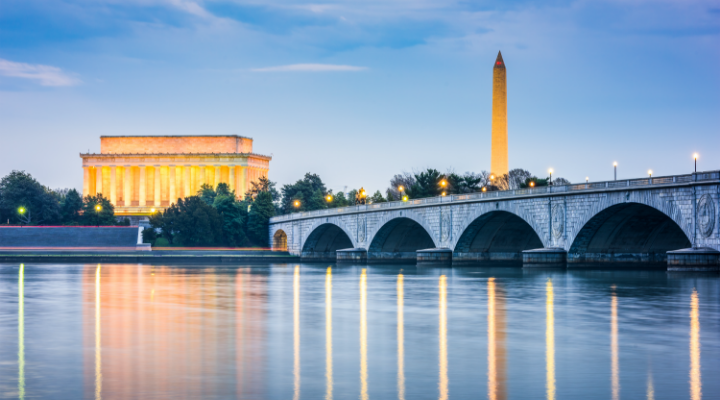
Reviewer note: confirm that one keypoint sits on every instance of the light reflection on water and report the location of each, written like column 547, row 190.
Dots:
column 129, row 331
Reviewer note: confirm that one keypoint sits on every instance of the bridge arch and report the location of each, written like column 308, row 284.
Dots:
column 280, row 240
column 323, row 240
column 399, row 238
column 629, row 232
column 497, row 235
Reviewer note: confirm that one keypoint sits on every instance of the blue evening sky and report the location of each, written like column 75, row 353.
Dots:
column 359, row 90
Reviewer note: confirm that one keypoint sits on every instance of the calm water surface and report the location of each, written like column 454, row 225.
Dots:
column 313, row 331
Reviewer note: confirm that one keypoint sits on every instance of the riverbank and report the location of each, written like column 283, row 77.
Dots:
column 145, row 257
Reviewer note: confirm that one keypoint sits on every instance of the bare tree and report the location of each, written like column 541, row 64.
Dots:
column 405, row 180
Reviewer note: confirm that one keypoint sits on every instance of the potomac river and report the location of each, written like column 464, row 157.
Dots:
column 322, row 331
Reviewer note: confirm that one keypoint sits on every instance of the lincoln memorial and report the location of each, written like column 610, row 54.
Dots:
column 141, row 174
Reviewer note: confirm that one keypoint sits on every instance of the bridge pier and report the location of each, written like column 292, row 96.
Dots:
column 551, row 257
column 435, row 256
column 355, row 255
column 693, row 259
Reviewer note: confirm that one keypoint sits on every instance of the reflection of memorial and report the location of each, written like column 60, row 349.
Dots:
column 497, row 362
column 141, row 173
column 165, row 332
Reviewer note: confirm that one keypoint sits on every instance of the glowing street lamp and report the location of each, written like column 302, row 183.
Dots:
column 443, row 194
column 296, row 203
column 329, row 198
column 152, row 210
column 587, row 179
column 484, row 189
column 615, row 167
column 695, row 156
column 550, row 171
column 532, row 184
column 443, row 183
column 405, row 198
column 98, row 208
column 21, row 211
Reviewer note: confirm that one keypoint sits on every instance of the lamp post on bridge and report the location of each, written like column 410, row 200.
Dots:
column 615, row 168
column 695, row 156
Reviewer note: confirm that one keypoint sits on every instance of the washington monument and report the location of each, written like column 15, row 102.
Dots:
column 499, row 155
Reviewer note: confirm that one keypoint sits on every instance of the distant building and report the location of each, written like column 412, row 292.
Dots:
column 140, row 174
column 499, row 151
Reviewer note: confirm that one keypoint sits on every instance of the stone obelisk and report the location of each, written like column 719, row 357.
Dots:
column 499, row 155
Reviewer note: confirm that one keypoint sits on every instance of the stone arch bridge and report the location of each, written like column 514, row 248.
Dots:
column 615, row 222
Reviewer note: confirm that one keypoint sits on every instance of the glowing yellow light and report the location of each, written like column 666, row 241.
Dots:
column 98, row 207
column 549, row 341
column 650, row 172
column 587, row 179
column 695, row 381
column 152, row 210
column 405, row 198
column 400, row 188
column 363, row 336
column 615, row 365
column 695, row 156
column 329, row 198
column 492, row 177
column 443, row 183
column 532, row 184
column 296, row 203
column 296, row 333
column 328, row 336
column 443, row 381
column 443, row 193
column 484, row 189
column 21, row 210
column 550, row 170
column 401, row 337
column 615, row 164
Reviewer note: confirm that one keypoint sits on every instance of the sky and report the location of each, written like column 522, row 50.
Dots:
column 359, row 90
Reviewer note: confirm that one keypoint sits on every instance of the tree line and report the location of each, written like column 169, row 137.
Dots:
column 310, row 193
column 24, row 201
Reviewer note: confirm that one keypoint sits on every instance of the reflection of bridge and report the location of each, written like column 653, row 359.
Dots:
column 636, row 221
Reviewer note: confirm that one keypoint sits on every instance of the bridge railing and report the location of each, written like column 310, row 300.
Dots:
column 575, row 187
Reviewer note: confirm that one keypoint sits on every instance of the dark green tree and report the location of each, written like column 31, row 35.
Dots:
column 197, row 223
column 377, row 197
column 427, row 184
column 234, row 216
column 166, row 222
column 71, row 208
column 103, row 217
column 259, row 219
column 339, row 200
column 20, row 189
column 309, row 189
column 207, row 194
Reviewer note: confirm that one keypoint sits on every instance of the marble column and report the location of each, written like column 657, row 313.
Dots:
column 127, row 186
column 157, row 185
column 201, row 180
column 171, row 185
column 217, row 176
column 98, row 180
column 186, row 183
column 231, row 177
column 242, row 186
column 142, row 187
column 86, row 181
column 113, row 186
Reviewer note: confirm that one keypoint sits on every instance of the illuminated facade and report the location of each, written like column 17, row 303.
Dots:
column 499, row 156
column 142, row 173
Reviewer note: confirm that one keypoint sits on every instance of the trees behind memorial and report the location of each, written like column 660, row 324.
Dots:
column 23, row 200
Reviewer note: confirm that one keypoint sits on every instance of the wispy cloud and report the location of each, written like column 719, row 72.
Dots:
column 45, row 75
column 311, row 68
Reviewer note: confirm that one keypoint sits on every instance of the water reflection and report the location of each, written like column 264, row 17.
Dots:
column 615, row 366
column 296, row 333
column 550, row 341
column 328, row 335
column 401, row 337
column 443, row 384
column 650, row 388
column 695, row 383
column 363, row 336
column 98, row 336
column 21, row 332
column 496, row 342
